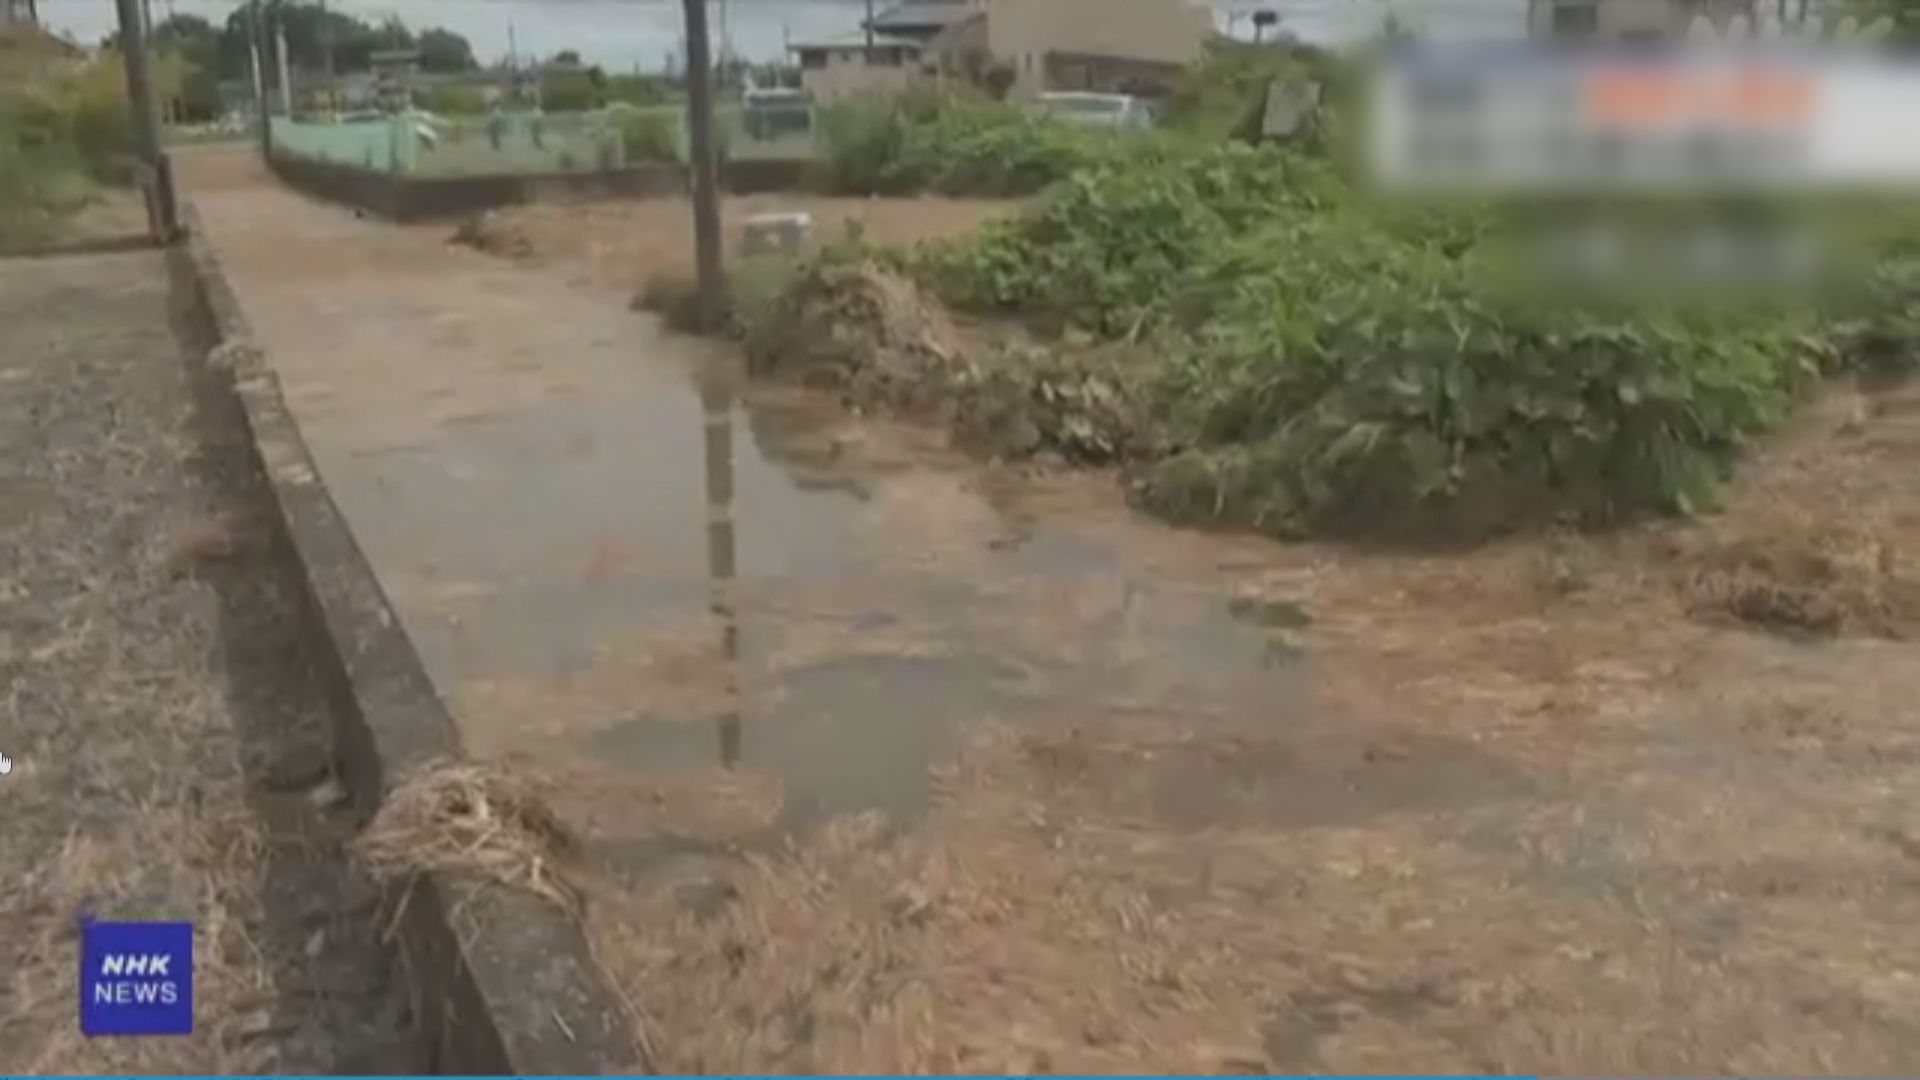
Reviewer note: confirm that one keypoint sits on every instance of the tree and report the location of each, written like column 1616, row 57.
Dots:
column 188, row 51
column 563, row 90
column 312, row 33
column 567, row 58
column 999, row 81
column 442, row 50
column 1904, row 14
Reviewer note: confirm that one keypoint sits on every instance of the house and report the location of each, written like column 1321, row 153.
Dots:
column 856, row 64
column 1131, row 46
column 18, row 11
column 1624, row 20
column 924, row 20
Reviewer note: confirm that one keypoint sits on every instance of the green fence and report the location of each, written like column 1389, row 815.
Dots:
column 374, row 145
column 515, row 144
column 424, row 146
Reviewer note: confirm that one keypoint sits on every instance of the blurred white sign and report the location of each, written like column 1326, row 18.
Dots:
column 1475, row 119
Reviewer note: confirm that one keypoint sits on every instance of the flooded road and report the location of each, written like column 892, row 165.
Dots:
column 897, row 762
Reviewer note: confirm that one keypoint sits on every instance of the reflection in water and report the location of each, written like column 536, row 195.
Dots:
column 717, row 407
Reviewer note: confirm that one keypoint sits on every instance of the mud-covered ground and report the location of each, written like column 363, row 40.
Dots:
column 1551, row 806
column 980, row 771
column 1634, row 802
column 169, row 744
column 628, row 243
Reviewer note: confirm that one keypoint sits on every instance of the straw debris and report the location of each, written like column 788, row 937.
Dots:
column 462, row 817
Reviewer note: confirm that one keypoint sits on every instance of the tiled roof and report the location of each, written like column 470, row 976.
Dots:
column 924, row 14
column 857, row 40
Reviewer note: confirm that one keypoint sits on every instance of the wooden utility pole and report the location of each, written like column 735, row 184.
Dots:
column 705, row 166
column 255, row 30
column 156, row 178
column 283, row 69
column 326, row 54
column 869, row 25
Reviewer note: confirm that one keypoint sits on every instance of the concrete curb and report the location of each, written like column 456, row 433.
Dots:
column 501, row 982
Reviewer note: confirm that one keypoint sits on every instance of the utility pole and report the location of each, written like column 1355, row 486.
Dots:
column 706, row 181
column 286, row 76
column 326, row 56
column 256, row 28
column 869, row 25
column 161, row 216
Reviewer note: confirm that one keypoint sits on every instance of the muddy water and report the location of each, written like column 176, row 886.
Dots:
column 613, row 557
column 1156, row 800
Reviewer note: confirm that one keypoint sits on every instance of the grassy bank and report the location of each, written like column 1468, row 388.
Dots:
column 64, row 132
column 1264, row 345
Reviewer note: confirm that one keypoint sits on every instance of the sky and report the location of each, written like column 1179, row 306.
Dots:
column 624, row 34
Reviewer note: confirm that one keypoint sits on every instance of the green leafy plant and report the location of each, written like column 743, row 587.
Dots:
column 651, row 135
column 958, row 144
column 1332, row 363
column 454, row 99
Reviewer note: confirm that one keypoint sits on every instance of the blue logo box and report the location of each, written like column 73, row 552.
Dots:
column 136, row 978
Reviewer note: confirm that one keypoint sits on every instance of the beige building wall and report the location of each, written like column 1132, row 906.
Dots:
column 1021, row 33
column 846, row 73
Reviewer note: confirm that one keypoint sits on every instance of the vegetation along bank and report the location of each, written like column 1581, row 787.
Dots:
column 1260, row 343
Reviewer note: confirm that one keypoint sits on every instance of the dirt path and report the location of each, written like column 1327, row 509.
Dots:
column 1001, row 777
column 164, row 731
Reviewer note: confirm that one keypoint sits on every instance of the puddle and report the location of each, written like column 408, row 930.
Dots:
column 1266, row 611
column 848, row 736
column 613, row 562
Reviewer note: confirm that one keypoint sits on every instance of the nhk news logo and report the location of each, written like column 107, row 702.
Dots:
column 136, row 978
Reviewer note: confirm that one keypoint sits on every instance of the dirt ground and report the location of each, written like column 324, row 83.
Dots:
column 1642, row 802
column 622, row 244
column 1550, row 811
column 169, row 745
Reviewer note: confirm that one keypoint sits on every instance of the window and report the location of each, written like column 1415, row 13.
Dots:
column 1575, row 20
column 813, row 60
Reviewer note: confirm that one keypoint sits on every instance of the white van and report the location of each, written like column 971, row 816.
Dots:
column 1123, row 111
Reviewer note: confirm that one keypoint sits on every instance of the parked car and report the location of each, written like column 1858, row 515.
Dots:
column 1123, row 111
column 775, row 111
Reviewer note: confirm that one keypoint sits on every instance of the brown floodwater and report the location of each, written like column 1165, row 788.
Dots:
column 886, row 760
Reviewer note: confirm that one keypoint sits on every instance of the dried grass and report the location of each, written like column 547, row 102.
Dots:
column 209, row 538
column 461, row 817
column 1819, row 581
